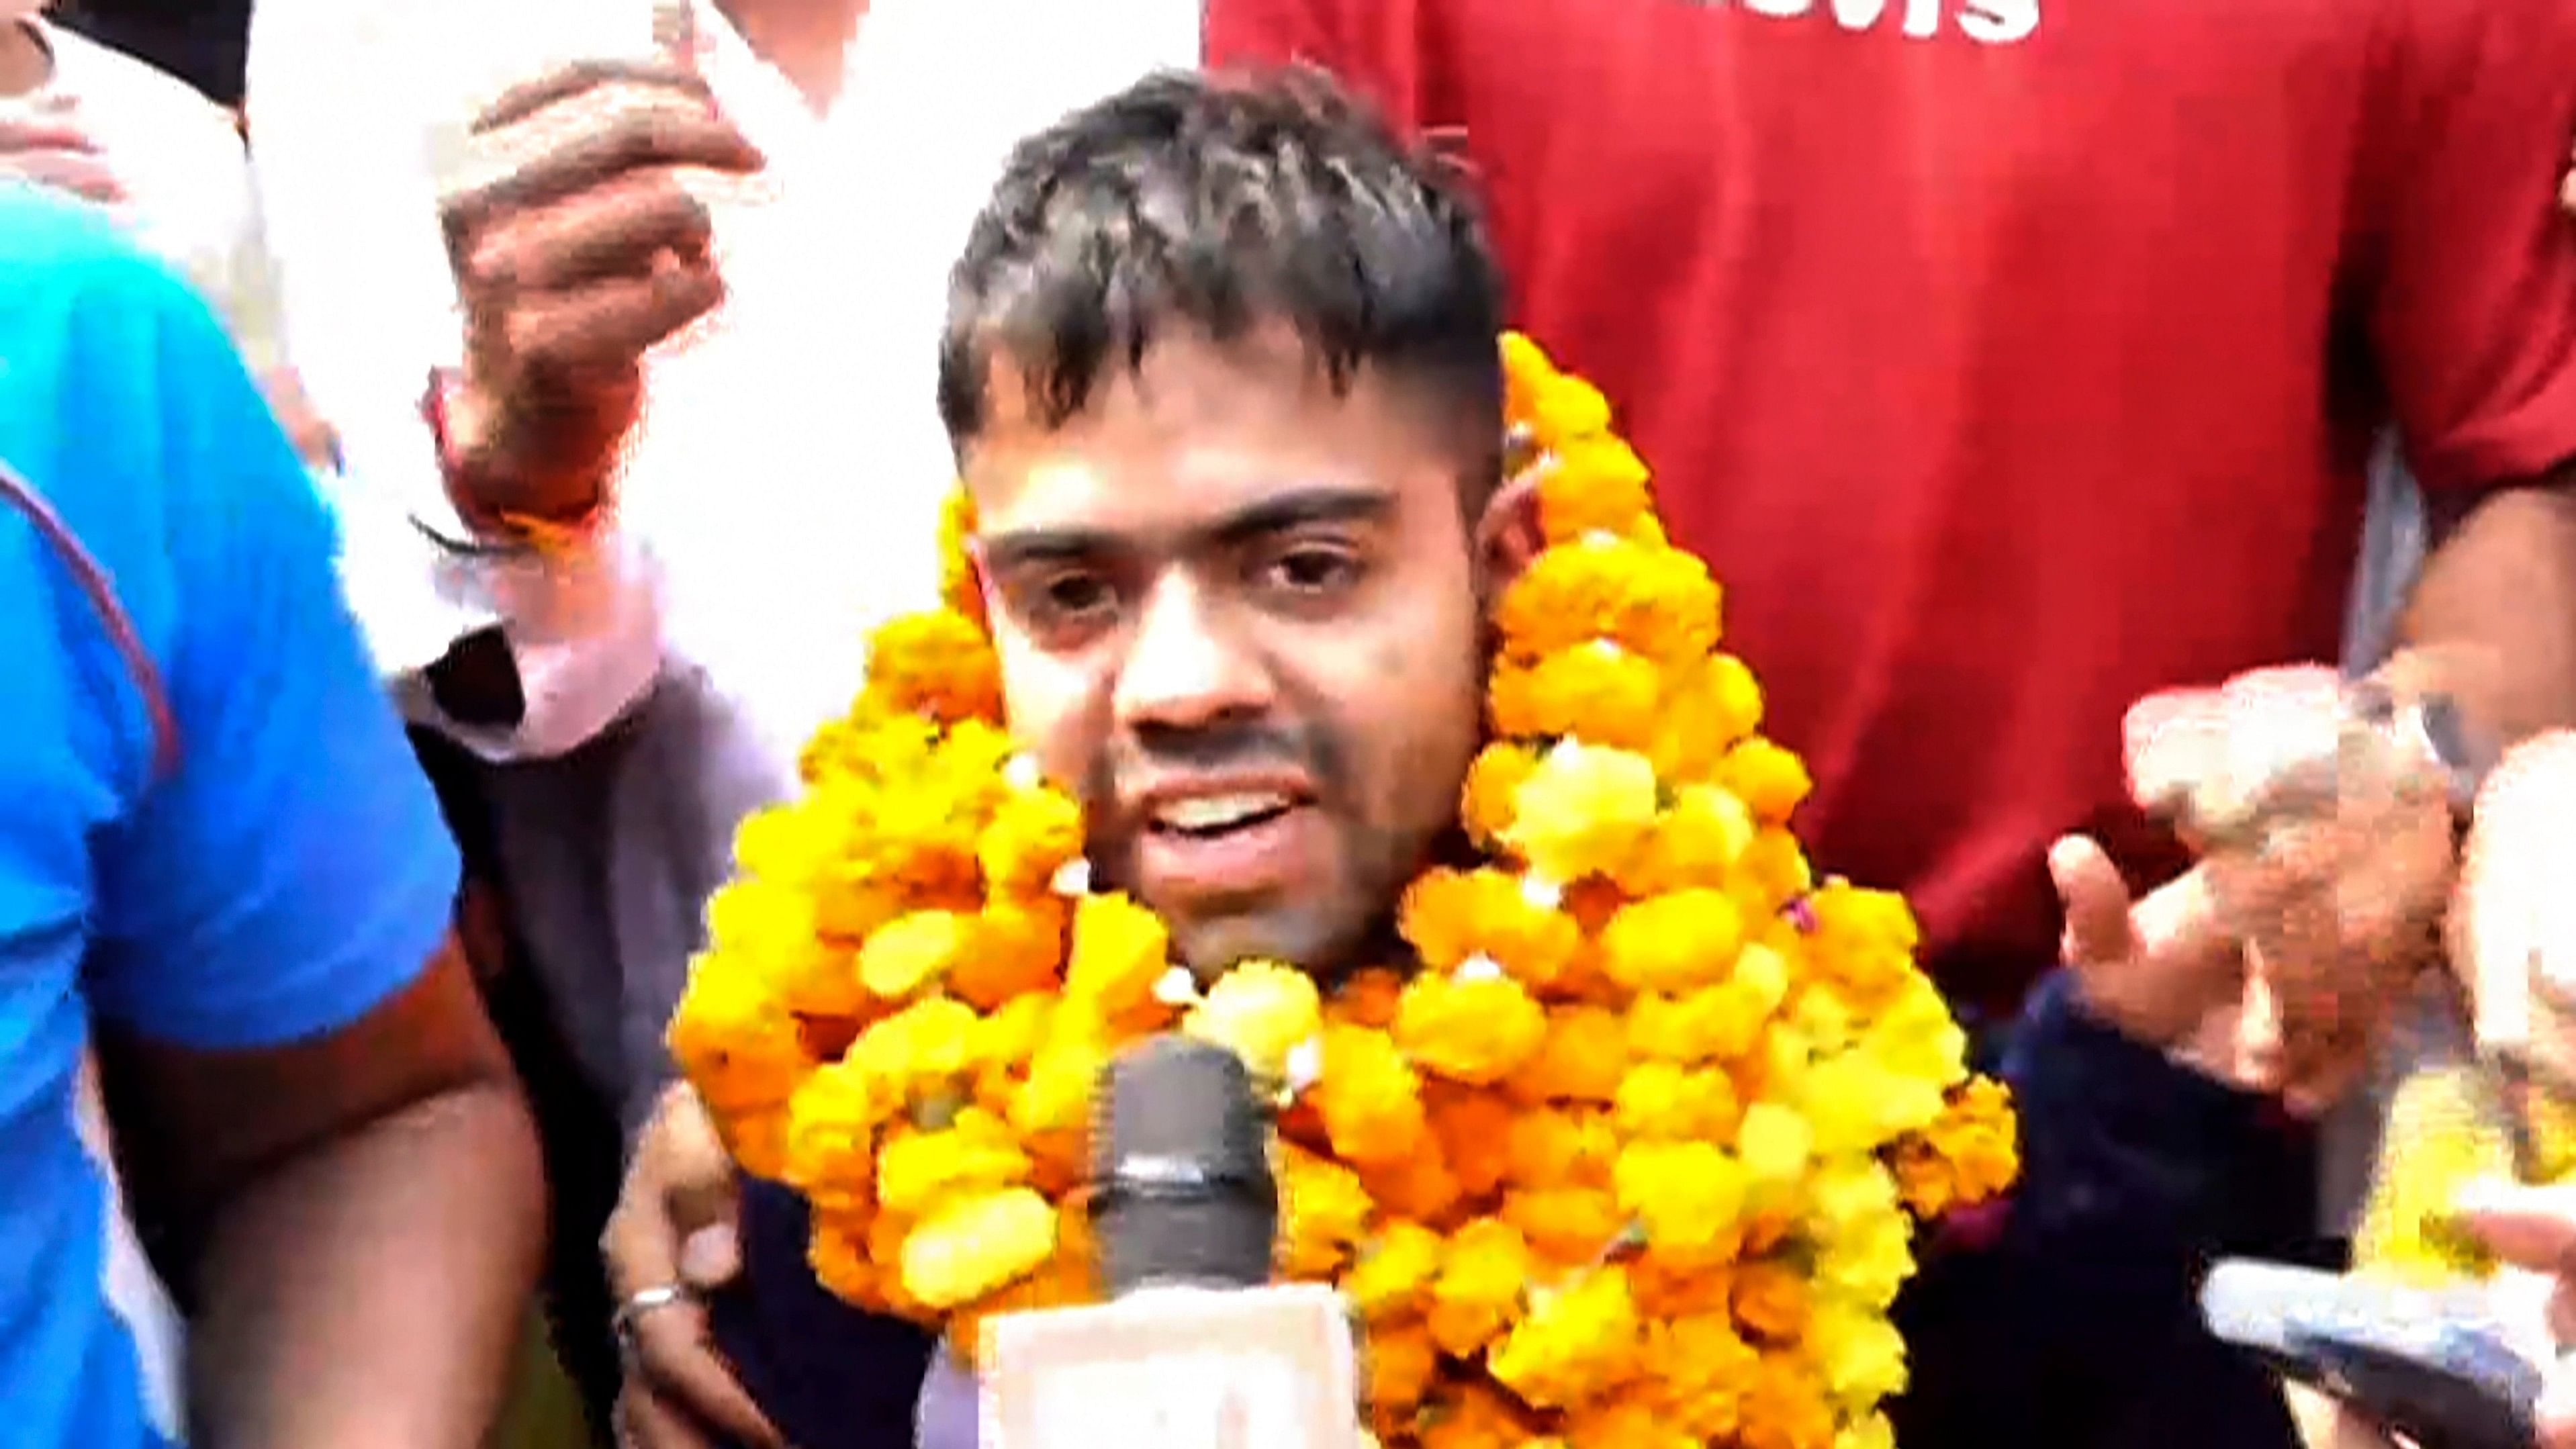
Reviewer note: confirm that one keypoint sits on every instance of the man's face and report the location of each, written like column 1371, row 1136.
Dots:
column 1239, row 614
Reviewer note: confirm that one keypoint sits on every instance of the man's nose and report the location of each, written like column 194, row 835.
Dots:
column 1186, row 666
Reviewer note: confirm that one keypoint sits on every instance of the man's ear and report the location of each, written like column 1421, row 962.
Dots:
column 1508, row 535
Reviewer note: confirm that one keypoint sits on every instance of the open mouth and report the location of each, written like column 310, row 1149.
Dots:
column 1208, row 817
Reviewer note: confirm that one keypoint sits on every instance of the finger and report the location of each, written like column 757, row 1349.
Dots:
column 606, row 326
column 2324, row 1423
column 560, row 153
column 2096, row 902
column 529, row 97
column 617, row 228
column 2526, row 1226
column 644, row 1422
column 677, row 1357
column 2169, row 741
column 79, row 173
column 35, row 131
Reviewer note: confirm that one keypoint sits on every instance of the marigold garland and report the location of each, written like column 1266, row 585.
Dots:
column 1633, row 1158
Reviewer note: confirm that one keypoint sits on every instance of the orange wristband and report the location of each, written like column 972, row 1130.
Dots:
column 550, row 536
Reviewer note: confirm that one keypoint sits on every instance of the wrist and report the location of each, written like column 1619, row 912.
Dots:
column 491, row 489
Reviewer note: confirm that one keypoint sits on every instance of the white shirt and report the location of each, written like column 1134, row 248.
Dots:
column 188, row 191
column 781, row 497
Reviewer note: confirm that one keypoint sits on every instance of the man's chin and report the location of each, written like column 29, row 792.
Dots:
column 1210, row 945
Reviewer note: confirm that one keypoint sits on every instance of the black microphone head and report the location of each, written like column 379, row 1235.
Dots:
column 1181, row 1186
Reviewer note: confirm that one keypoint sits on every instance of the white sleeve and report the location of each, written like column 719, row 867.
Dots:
column 344, row 101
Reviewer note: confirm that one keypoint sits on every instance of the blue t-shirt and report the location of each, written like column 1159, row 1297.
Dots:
column 281, row 874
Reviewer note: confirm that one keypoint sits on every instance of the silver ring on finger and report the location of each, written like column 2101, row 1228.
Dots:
column 631, row 1313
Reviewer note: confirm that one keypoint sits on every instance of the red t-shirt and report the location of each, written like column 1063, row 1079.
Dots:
column 2010, row 359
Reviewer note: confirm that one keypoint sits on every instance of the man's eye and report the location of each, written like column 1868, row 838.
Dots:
column 1315, row 569
column 1073, row 596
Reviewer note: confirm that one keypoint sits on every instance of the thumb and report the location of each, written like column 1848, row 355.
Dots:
column 2528, row 1227
column 2096, row 902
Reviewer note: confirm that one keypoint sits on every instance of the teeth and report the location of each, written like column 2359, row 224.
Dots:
column 1214, row 812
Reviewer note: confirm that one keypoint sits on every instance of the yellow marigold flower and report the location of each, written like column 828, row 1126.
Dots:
column 1695, row 843
column 1969, row 1154
column 1261, row 1011
column 960, row 586
column 1120, row 950
column 1582, row 1059
column 1393, row 1278
column 1714, row 1023
column 1775, row 1145
column 908, row 955
column 1323, row 1214
column 1525, row 366
column 917, row 1172
column 831, row 1140
column 1002, row 1046
column 1485, row 806
column 1916, row 1038
column 1369, row 1097
column 1670, row 1293
column 735, row 1041
column 1673, row 943
column 1864, row 944
column 1593, row 485
column 1768, row 779
column 1784, row 1407
column 1574, row 1346
column 1582, row 811
column 787, row 845
column 1855, row 1104
column 2440, row 1138
column 925, row 1047
column 1015, row 948
column 1687, row 1196
column 1480, row 1286
column 1863, row 1238
column 1662, row 1101
column 1770, row 1301
column 938, row 664
column 1402, row 1365
column 1475, row 1030
column 1774, row 871
column 1032, row 835
column 1870, row 1431
column 976, row 1245
column 1570, row 1225
column 1709, row 705
column 1860, row 1354
column 1564, row 407
column 769, row 930
column 1628, row 1421
column 1598, row 693
column 1451, row 916
column 1062, row 1077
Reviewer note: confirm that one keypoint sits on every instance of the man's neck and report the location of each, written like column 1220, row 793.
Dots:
column 26, row 64
column 807, row 41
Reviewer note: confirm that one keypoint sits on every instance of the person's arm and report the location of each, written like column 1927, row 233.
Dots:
column 306, row 1096
column 2470, row 275
column 511, row 655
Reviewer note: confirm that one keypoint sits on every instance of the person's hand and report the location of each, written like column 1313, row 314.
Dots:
column 2327, row 849
column 577, row 246
column 44, row 142
column 673, row 1237
column 2532, row 1230
column 2162, row 969
column 2513, row 924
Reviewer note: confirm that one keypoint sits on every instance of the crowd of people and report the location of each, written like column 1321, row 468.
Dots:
column 577, row 385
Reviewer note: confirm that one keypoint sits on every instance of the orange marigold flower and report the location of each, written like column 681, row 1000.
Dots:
column 838, row 1254
column 1784, row 1407
column 1570, row 1225
column 1014, row 949
column 1393, row 1277
column 1597, row 692
column 1770, row 1301
column 831, row 1141
column 1485, row 807
column 1474, row 1130
column 1660, row 1101
column 1323, row 1213
column 1594, row 485
column 1970, row 1154
column 1402, row 1364
column 1420, row 1186
column 1547, row 1148
column 1367, row 998
column 1695, row 843
column 961, row 584
column 1032, row 835
column 1584, row 1055
column 1451, row 917
column 1120, row 950
column 938, row 664
column 1654, row 602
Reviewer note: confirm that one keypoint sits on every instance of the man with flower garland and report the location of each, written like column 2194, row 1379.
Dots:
column 1229, row 607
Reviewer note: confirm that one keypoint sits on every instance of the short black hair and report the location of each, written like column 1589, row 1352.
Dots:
column 1218, row 204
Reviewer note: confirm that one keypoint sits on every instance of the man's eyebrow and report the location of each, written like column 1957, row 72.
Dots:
column 1028, row 547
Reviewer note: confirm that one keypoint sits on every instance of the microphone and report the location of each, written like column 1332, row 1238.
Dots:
column 2435, row 1366
column 1195, row 1346
column 1182, row 1194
